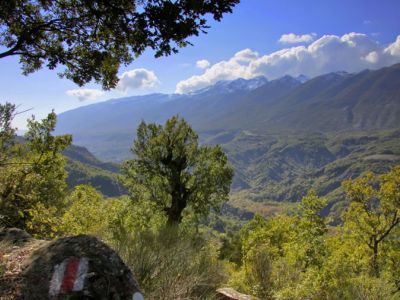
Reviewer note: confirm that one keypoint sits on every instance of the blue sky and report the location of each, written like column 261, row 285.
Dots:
column 311, row 37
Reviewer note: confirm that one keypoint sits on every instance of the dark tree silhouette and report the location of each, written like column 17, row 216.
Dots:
column 92, row 38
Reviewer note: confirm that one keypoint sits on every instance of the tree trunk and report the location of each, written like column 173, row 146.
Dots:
column 374, row 260
column 174, row 212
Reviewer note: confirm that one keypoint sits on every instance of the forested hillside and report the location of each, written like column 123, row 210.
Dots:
column 276, row 167
column 84, row 168
column 283, row 136
column 271, row 168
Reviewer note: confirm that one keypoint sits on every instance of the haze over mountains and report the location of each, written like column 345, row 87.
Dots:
column 369, row 100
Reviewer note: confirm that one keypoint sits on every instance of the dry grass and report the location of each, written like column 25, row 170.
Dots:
column 12, row 259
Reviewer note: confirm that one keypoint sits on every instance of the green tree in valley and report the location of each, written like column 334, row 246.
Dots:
column 280, row 255
column 93, row 38
column 32, row 174
column 311, row 230
column 173, row 171
column 374, row 211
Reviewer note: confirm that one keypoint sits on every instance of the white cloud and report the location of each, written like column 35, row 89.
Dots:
column 137, row 79
column 133, row 79
column 203, row 64
column 291, row 38
column 236, row 67
column 85, row 94
column 351, row 52
column 394, row 49
column 372, row 57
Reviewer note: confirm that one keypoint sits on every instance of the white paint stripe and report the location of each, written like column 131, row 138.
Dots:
column 81, row 274
column 137, row 296
column 57, row 278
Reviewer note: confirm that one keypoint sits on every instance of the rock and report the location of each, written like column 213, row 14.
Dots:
column 231, row 294
column 14, row 236
column 80, row 267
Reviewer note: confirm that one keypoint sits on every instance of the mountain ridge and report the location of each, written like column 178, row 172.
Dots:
column 327, row 103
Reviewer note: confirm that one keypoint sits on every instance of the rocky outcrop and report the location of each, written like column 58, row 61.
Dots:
column 80, row 267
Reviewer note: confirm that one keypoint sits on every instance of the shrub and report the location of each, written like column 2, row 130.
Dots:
column 170, row 263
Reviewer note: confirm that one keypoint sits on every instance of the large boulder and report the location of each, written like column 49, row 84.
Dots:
column 80, row 267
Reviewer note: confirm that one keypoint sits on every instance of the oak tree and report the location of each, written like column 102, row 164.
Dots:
column 173, row 171
column 374, row 211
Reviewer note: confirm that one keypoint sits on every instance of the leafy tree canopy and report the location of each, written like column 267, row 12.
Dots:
column 32, row 174
column 86, row 212
column 93, row 38
column 173, row 171
column 374, row 211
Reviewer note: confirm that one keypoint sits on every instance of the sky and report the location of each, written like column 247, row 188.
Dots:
column 261, row 37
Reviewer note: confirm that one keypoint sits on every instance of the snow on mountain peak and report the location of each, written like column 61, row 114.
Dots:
column 239, row 84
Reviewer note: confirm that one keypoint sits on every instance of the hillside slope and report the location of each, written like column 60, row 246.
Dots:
column 281, row 168
column 369, row 100
column 84, row 168
column 283, row 137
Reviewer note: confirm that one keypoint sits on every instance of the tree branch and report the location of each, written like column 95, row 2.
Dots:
column 395, row 221
column 13, row 50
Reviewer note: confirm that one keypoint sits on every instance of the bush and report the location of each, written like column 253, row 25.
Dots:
column 170, row 263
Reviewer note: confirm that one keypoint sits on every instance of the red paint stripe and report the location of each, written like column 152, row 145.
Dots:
column 70, row 275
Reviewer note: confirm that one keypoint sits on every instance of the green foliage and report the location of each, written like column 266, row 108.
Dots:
column 171, row 170
column 44, row 220
column 129, row 218
column 273, row 169
column 86, row 212
column 263, row 243
column 374, row 211
column 170, row 263
column 32, row 177
column 93, row 38
column 310, row 231
column 299, row 257
column 7, row 132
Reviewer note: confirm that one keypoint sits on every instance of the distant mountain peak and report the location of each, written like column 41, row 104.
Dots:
column 286, row 79
column 342, row 73
column 229, row 86
column 302, row 78
column 335, row 75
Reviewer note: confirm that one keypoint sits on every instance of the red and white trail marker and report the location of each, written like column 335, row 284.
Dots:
column 69, row 276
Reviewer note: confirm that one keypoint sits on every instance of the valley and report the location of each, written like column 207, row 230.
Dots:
column 283, row 137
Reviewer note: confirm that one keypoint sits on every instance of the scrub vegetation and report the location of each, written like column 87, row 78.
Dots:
column 297, row 252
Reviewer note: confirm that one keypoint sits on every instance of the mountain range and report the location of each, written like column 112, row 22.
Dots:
column 283, row 136
column 369, row 100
